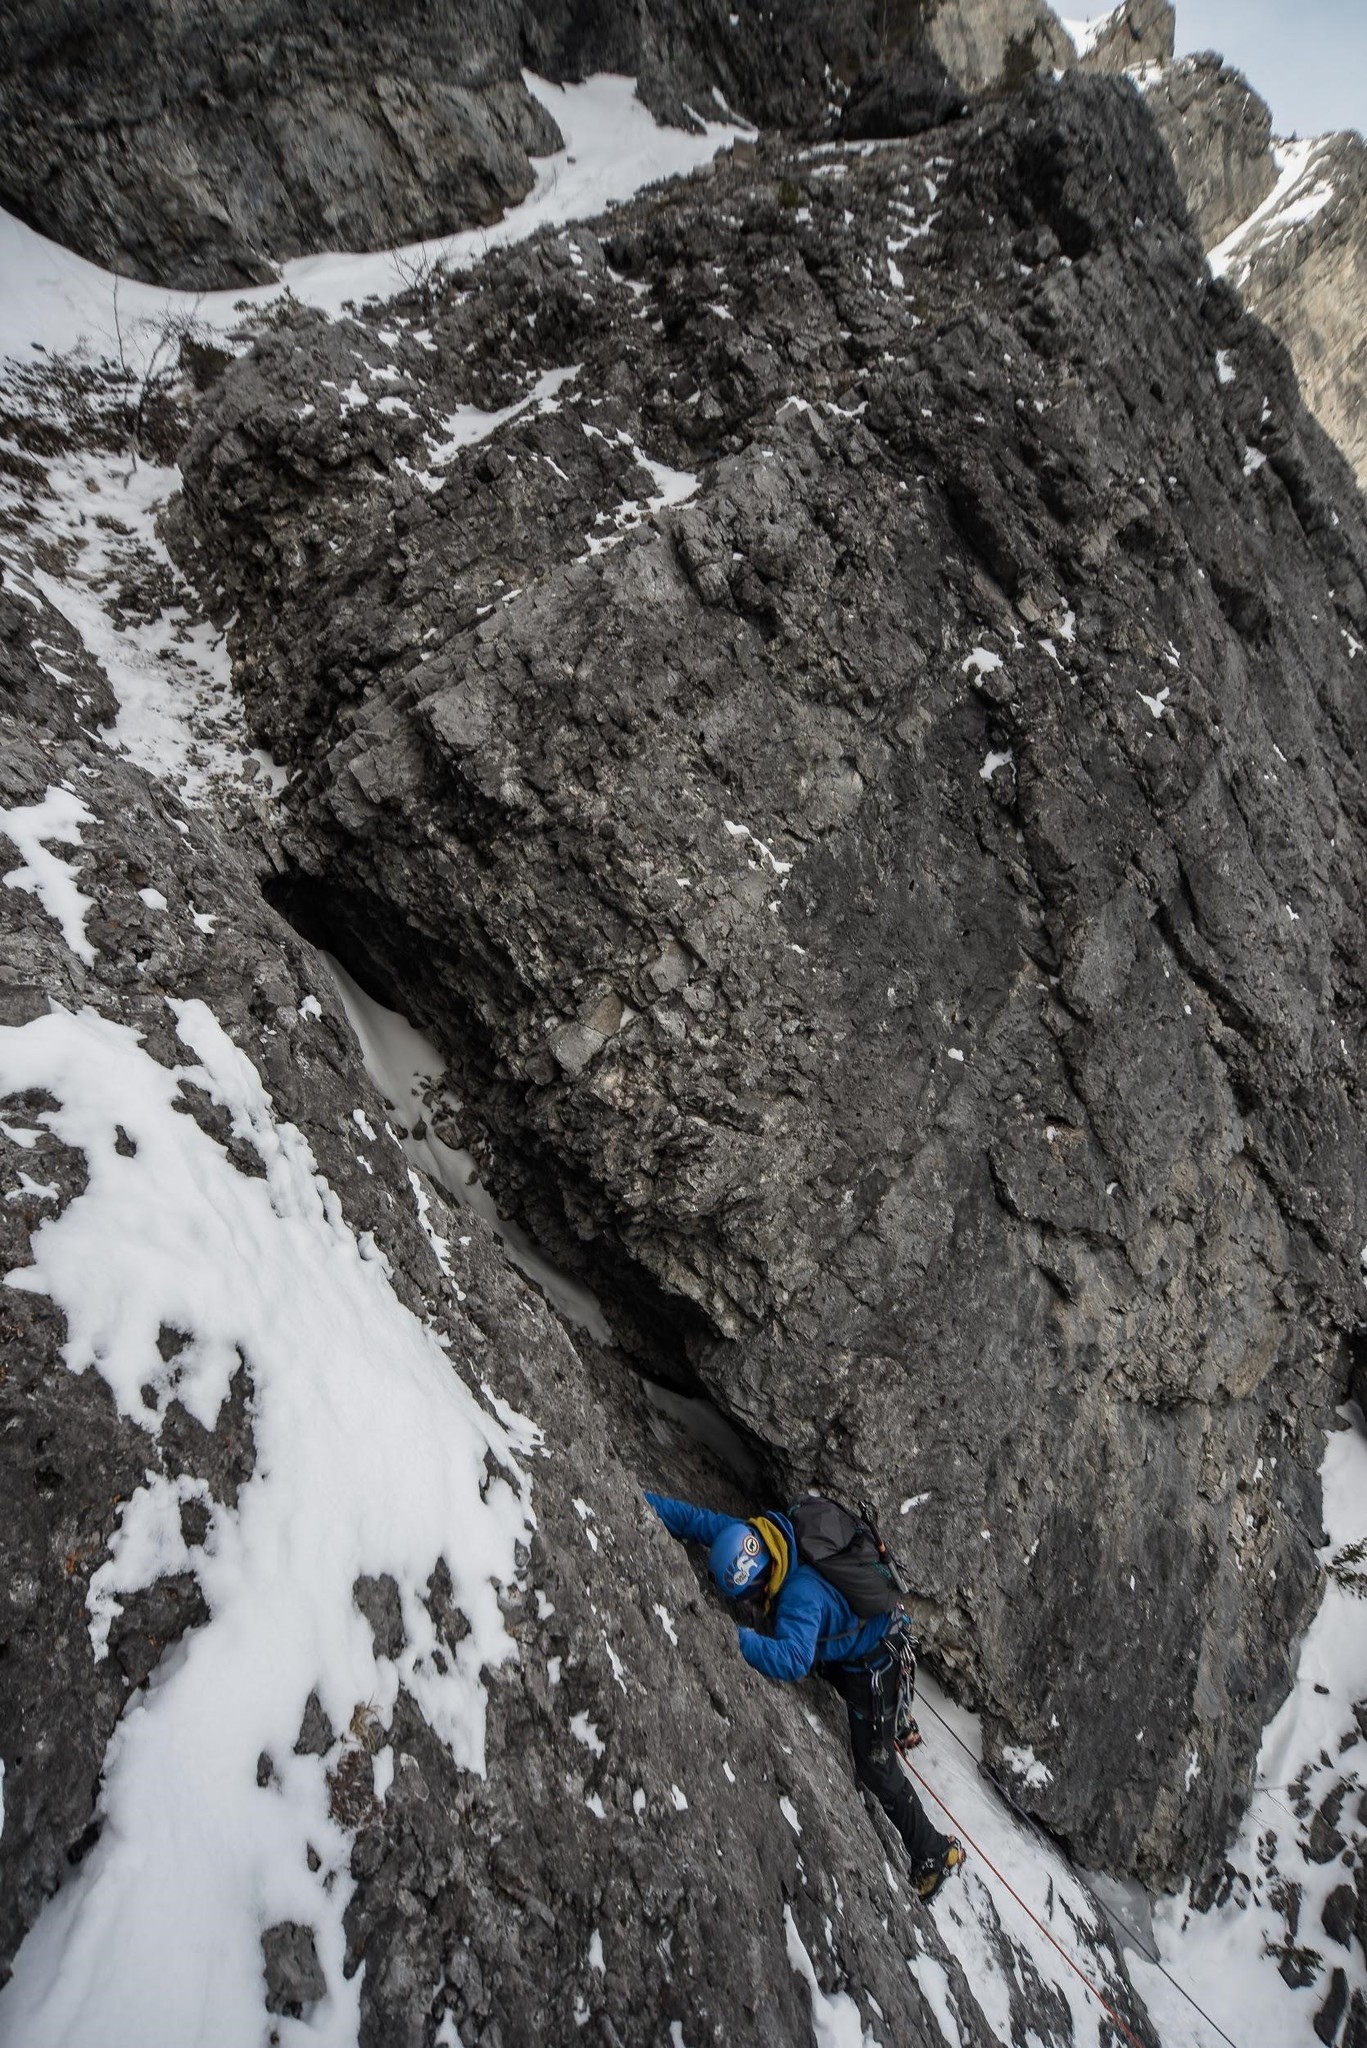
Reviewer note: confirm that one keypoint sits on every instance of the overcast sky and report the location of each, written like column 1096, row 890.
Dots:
column 1308, row 58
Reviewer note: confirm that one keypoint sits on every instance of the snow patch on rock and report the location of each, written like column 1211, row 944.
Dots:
column 372, row 1457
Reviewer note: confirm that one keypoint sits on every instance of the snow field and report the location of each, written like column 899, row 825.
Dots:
column 370, row 1458
column 970, row 1907
column 1084, row 35
column 1299, row 194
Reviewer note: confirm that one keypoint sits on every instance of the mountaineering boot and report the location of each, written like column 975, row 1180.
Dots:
column 931, row 1874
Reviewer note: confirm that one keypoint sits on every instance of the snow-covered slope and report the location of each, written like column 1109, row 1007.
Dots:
column 1300, row 261
column 1284, row 1933
column 370, row 1461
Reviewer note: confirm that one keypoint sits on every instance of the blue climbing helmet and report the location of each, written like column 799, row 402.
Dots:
column 739, row 1559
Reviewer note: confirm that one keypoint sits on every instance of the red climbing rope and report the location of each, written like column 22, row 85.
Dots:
column 1112, row 2015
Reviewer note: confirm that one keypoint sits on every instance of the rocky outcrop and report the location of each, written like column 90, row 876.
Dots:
column 1286, row 225
column 894, row 909
column 200, row 153
column 601, row 1867
column 902, row 95
column 202, row 145
column 1136, row 32
column 1220, row 135
column 198, row 146
column 985, row 44
column 1300, row 262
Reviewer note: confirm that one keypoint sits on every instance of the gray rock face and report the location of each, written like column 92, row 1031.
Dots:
column 197, row 145
column 903, row 95
column 988, row 43
column 477, row 1900
column 896, row 917
column 1287, row 228
column 956, row 47
column 1301, row 264
column 1220, row 135
column 1139, row 32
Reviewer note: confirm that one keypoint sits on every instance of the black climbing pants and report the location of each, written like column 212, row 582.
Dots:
column 870, row 1694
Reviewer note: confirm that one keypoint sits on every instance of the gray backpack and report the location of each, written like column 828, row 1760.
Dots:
column 848, row 1553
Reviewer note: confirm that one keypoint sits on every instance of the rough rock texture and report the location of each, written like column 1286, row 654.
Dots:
column 786, row 67
column 1138, row 32
column 1286, row 226
column 196, row 144
column 1220, row 135
column 902, row 95
column 989, row 43
column 477, row 1897
column 1301, row 264
column 898, row 916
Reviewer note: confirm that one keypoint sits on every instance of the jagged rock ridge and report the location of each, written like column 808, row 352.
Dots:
column 199, row 145
column 895, row 916
column 1300, row 262
column 1286, row 222
column 1220, row 135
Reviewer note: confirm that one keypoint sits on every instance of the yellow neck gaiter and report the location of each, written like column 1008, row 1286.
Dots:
column 776, row 1543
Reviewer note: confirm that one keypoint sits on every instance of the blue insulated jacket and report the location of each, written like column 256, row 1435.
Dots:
column 813, row 1623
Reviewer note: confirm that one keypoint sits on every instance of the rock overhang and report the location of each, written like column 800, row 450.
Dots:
column 985, row 1122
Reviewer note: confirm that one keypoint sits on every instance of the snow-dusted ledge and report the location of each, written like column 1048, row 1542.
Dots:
column 613, row 148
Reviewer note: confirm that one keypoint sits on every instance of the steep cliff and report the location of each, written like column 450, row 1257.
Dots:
column 1220, row 135
column 199, row 144
column 244, row 1337
column 1135, row 32
column 1300, row 261
column 860, row 774
column 834, row 695
column 1284, row 222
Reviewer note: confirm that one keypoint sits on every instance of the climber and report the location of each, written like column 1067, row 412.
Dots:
column 815, row 1627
